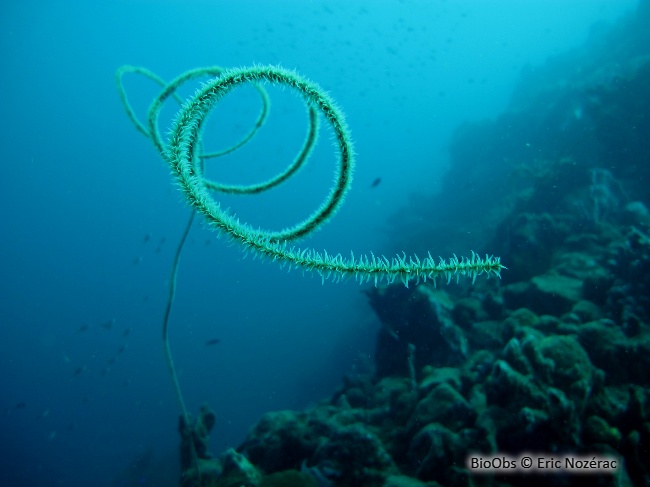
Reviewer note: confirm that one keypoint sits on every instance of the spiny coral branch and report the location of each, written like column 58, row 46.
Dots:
column 185, row 135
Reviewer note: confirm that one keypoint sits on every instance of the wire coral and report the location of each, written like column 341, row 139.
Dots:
column 183, row 153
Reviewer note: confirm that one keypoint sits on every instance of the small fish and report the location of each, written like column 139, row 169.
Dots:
column 137, row 260
column 83, row 328
column 107, row 325
column 146, row 238
column 214, row 341
column 79, row 370
column 162, row 241
column 375, row 183
column 20, row 405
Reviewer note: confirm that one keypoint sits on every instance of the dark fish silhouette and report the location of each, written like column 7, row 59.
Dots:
column 107, row 325
column 214, row 341
column 82, row 328
column 20, row 405
column 375, row 183
column 162, row 241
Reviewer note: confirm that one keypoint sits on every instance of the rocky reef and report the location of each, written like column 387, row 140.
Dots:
column 554, row 357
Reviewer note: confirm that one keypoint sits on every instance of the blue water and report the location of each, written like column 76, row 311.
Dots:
column 90, row 218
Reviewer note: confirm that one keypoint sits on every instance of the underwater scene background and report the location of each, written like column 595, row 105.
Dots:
column 513, row 129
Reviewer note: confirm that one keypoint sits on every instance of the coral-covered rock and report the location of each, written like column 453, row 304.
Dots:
column 548, row 293
column 356, row 455
column 597, row 430
column 561, row 362
column 623, row 359
column 236, row 471
column 444, row 405
column 282, row 440
column 418, row 317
